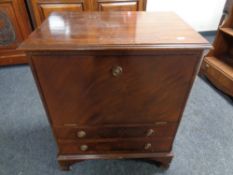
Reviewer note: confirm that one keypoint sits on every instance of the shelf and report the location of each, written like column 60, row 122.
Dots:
column 221, row 63
column 228, row 31
column 227, row 59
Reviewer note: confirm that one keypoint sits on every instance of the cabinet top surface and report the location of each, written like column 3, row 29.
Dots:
column 113, row 30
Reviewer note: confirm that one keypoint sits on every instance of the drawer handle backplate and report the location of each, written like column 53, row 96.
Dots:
column 83, row 147
column 149, row 132
column 117, row 71
column 147, row 146
column 81, row 134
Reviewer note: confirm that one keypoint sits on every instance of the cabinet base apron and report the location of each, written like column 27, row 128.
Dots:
column 160, row 159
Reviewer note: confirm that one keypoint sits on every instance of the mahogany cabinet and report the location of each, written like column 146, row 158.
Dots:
column 113, row 94
column 14, row 28
column 42, row 8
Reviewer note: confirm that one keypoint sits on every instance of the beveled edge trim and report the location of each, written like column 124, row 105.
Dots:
column 114, row 47
column 62, row 157
column 117, row 139
column 152, row 124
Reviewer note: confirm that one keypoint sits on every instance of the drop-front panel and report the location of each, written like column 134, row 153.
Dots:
column 145, row 88
column 114, row 84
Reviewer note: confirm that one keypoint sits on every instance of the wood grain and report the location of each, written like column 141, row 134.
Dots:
column 113, row 30
column 89, row 78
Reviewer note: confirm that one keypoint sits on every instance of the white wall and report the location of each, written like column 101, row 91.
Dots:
column 202, row 15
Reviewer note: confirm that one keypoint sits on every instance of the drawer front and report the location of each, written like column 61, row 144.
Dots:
column 114, row 90
column 118, row 6
column 49, row 8
column 82, row 133
column 155, row 145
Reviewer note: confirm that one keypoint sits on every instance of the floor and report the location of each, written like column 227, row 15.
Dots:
column 203, row 146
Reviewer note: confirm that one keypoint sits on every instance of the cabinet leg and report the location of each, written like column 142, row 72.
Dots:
column 162, row 161
column 65, row 165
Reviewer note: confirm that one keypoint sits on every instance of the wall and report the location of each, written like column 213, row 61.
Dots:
column 202, row 15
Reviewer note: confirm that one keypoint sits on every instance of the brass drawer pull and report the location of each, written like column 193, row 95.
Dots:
column 117, row 71
column 147, row 146
column 81, row 134
column 150, row 132
column 83, row 147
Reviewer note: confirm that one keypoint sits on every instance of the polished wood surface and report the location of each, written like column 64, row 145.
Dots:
column 218, row 63
column 14, row 27
column 16, row 24
column 49, row 8
column 92, row 30
column 42, row 8
column 101, row 87
column 111, row 85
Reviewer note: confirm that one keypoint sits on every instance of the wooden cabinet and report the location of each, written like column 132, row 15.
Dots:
column 14, row 28
column 114, row 93
column 42, row 8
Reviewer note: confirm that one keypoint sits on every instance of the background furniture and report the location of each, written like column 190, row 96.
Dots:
column 17, row 17
column 42, row 8
column 14, row 28
column 111, row 93
column 226, row 10
column 218, row 63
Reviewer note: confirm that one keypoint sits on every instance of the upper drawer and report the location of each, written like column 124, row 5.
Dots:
column 77, row 133
column 105, row 90
column 118, row 6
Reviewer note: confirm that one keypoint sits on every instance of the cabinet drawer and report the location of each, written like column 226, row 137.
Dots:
column 114, row 90
column 77, row 133
column 118, row 6
column 46, row 9
column 118, row 145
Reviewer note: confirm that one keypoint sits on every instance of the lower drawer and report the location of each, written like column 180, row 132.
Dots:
column 78, row 133
column 119, row 145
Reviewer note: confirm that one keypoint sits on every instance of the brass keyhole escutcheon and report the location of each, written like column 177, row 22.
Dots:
column 149, row 132
column 83, row 147
column 117, row 71
column 81, row 134
column 147, row 146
